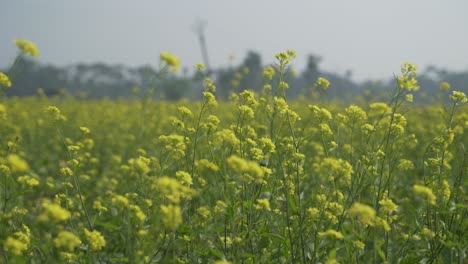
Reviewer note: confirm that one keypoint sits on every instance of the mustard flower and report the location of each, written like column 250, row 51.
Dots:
column 184, row 111
column 365, row 214
column 409, row 98
column 4, row 80
column 268, row 73
column 313, row 213
column 425, row 193
column 15, row 246
column 222, row 262
column 96, row 239
column 53, row 212
column 458, row 97
column 283, row 85
column 444, row 86
column 28, row 180
column 263, row 205
column 85, row 130
column 184, row 177
column 331, row 233
column 210, row 99
column 388, row 205
column 209, row 85
column 204, row 211
column 171, row 216
column 67, row 241
column 26, row 47
column 17, row 164
column 199, row 66
column 19, row 242
column 322, row 83
column 171, row 61
column 120, row 201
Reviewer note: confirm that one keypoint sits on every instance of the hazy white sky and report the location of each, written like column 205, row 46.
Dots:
column 370, row 37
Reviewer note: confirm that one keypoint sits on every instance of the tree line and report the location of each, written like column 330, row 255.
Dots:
column 100, row 80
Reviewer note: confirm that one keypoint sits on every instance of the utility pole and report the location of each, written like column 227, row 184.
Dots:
column 199, row 30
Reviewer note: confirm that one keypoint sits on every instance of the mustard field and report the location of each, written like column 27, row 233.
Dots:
column 255, row 179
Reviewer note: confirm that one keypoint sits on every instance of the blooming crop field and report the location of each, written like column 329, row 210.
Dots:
column 256, row 179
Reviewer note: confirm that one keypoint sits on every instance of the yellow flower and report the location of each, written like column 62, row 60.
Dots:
column 184, row 177
column 313, row 213
column 27, row 47
column 444, row 86
column 409, row 98
column 263, row 204
column 388, row 205
column 204, row 211
column 17, row 164
column 458, row 97
column 19, row 242
column 269, row 72
column 4, row 80
column 14, row 246
column 322, row 83
column 120, row 201
column 66, row 240
column 222, row 262
column 171, row 61
column 428, row 233
column 53, row 212
column 28, row 180
column 425, row 193
column 96, row 239
column 171, row 216
column 331, row 233
column 364, row 213
column 199, row 66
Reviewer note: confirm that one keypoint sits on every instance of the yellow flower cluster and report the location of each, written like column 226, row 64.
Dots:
column 53, row 212
column 322, row 83
column 4, row 80
column 269, row 72
column 458, row 97
column 331, row 233
column 19, row 242
column 17, row 164
column 171, row 61
column 67, row 241
column 247, row 170
column 96, row 239
column 425, row 193
column 263, row 205
column 27, row 47
column 365, row 214
column 171, row 216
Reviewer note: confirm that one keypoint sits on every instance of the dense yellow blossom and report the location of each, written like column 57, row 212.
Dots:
column 171, row 61
column 26, row 47
column 67, row 241
column 95, row 239
column 17, row 164
column 444, row 86
column 425, row 193
column 53, row 212
column 364, row 213
column 322, row 83
column 171, row 216
column 269, row 72
column 4, row 80
column 263, row 204
column 331, row 233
